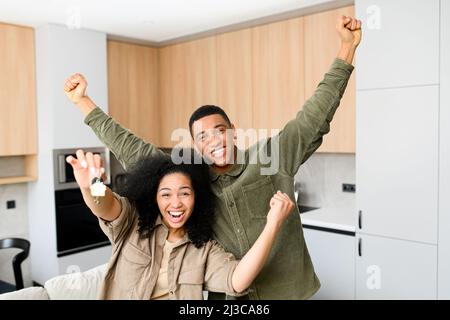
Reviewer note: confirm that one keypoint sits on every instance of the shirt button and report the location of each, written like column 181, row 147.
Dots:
column 239, row 230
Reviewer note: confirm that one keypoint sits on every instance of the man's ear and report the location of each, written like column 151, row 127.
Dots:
column 234, row 131
column 195, row 147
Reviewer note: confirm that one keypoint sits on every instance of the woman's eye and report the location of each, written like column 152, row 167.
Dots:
column 185, row 194
column 165, row 195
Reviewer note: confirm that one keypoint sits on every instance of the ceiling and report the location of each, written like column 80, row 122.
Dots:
column 153, row 21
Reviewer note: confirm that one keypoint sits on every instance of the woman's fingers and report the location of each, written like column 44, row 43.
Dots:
column 91, row 164
column 81, row 158
column 97, row 161
column 99, row 170
column 74, row 162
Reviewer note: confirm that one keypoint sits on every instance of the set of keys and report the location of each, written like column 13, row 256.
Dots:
column 98, row 189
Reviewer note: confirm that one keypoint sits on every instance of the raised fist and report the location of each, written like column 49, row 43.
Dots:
column 75, row 87
column 280, row 208
column 349, row 30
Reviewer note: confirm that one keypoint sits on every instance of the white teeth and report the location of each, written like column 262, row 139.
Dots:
column 218, row 152
column 175, row 213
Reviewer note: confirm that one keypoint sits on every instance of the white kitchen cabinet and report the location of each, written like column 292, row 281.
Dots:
column 400, row 44
column 395, row 269
column 333, row 256
column 444, row 157
column 397, row 162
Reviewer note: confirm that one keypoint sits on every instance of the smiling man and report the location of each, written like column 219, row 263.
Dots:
column 242, row 192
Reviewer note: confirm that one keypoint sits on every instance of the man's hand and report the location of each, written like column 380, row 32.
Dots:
column 349, row 30
column 75, row 89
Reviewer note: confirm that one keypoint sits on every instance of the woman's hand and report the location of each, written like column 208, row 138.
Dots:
column 280, row 208
column 86, row 167
column 252, row 262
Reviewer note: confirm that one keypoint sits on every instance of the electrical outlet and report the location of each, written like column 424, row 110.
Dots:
column 348, row 187
column 10, row 204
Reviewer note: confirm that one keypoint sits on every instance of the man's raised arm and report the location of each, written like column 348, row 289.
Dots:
column 123, row 144
column 304, row 134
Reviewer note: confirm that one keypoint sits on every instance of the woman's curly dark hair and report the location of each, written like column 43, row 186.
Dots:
column 141, row 187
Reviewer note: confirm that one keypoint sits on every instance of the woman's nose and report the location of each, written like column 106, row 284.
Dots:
column 176, row 202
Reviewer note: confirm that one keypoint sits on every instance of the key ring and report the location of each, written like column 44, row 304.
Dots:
column 97, row 189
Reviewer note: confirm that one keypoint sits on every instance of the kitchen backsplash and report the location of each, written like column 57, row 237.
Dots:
column 321, row 177
column 14, row 224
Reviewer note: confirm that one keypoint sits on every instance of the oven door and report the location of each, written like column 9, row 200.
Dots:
column 77, row 228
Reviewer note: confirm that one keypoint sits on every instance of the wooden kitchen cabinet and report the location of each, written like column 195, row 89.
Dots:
column 395, row 269
column 133, row 88
column 322, row 44
column 188, row 77
column 234, row 76
column 278, row 69
column 18, row 131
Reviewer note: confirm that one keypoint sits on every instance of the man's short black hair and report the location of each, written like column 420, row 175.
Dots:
column 207, row 110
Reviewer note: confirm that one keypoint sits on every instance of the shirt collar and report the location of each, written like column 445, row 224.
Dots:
column 236, row 168
column 159, row 223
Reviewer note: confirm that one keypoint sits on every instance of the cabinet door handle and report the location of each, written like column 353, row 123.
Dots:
column 360, row 219
column 359, row 247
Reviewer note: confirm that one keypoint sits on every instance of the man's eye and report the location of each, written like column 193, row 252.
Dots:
column 222, row 130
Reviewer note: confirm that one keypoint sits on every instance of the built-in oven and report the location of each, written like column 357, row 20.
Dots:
column 77, row 228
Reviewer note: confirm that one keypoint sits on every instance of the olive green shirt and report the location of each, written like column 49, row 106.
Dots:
column 243, row 193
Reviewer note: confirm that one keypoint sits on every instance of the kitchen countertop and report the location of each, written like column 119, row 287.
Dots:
column 340, row 216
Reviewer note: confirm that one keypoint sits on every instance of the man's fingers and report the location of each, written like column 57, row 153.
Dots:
column 358, row 24
column 343, row 21
column 353, row 25
column 73, row 81
column 71, row 84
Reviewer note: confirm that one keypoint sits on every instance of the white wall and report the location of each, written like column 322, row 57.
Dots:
column 13, row 224
column 59, row 53
column 444, row 157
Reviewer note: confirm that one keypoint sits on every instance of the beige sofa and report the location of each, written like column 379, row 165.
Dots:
column 73, row 286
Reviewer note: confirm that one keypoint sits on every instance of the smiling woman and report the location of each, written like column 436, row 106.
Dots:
column 164, row 218
column 177, row 189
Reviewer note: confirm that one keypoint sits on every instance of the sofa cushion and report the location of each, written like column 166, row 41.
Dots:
column 31, row 293
column 76, row 286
